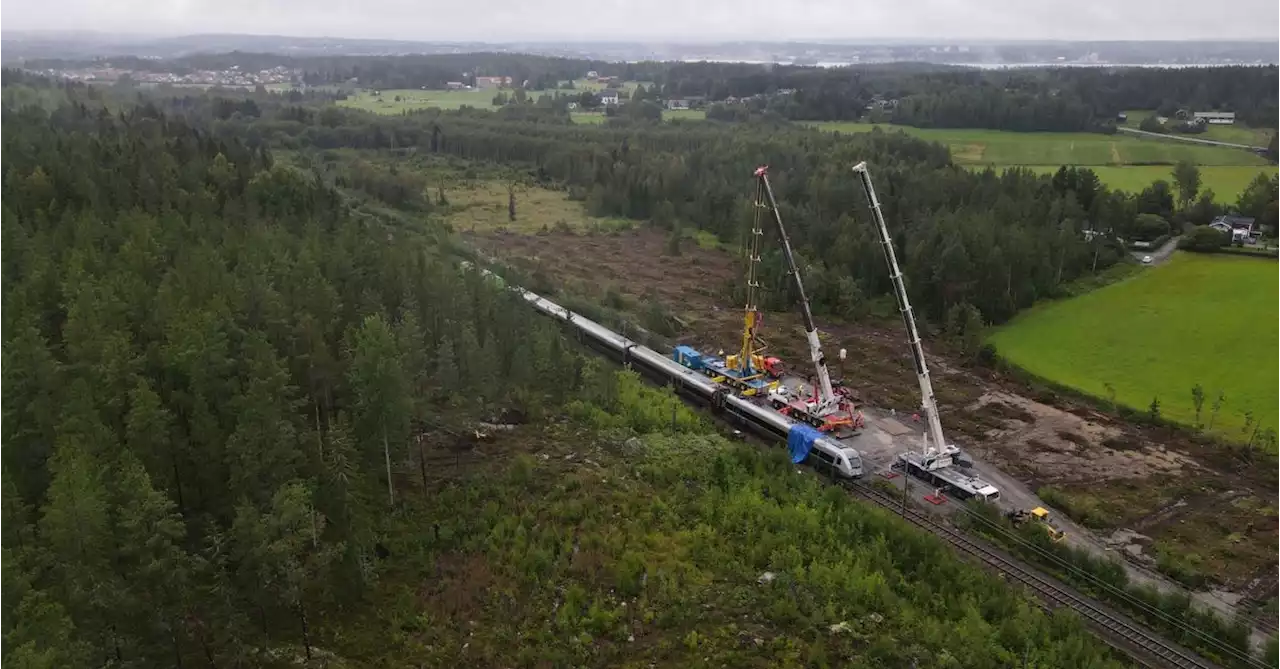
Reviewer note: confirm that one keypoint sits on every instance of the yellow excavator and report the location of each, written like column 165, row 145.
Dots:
column 1040, row 516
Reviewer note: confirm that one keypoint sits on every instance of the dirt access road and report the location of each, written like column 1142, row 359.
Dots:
column 1158, row 255
column 1193, row 140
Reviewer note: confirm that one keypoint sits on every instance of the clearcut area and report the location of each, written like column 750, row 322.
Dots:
column 1206, row 320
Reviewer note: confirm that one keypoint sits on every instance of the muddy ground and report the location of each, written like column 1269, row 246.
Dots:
column 1156, row 496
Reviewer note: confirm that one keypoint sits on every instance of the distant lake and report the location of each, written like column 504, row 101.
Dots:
column 1002, row 66
column 983, row 66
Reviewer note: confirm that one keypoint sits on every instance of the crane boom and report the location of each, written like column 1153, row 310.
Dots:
column 751, row 314
column 928, row 402
column 826, row 398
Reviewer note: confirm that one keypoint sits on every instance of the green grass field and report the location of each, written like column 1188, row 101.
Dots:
column 1208, row 320
column 481, row 206
column 1122, row 162
column 385, row 102
column 1226, row 181
column 1000, row 147
column 627, row 86
column 684, row 115
column 667, row 115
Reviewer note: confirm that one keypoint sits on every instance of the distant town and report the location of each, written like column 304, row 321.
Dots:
column 233, row 76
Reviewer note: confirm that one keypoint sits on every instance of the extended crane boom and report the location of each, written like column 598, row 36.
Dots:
column 826, row 400
column 928, row 402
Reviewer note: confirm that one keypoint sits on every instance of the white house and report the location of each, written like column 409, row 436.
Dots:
column 677, row 103
column 1216, row 118
column 1239, row 227
column 609, row 96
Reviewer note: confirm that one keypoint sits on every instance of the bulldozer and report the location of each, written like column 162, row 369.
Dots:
column 1041, row 517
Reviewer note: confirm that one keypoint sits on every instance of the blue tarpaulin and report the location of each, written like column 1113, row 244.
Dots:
column 800, row 440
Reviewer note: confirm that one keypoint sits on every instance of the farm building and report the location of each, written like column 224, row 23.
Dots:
column 1216, row 118
column 454, row 85
column 677, row 103
column 492, row 82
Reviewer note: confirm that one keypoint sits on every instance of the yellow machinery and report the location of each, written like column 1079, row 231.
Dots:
column 750, row 362
column 1041, row 516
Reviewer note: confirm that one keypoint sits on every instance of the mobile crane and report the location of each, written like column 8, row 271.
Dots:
column 933, row 462
column 749, row 371
column 826, row 409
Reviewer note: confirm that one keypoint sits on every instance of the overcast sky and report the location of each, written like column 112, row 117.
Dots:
column 684, row 20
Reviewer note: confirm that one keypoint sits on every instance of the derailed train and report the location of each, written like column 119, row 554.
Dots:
column 803, row 441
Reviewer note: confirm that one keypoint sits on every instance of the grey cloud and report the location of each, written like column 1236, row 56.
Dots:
column 663, row 20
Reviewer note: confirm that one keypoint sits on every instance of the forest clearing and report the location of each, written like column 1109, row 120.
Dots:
column 689, row 293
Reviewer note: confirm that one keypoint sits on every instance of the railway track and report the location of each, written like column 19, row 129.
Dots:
column 1116, row 630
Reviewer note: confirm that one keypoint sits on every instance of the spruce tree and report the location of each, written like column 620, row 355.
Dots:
column 380, row 390
column 263, row 451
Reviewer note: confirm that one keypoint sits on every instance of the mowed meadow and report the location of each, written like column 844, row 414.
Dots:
column 1121, row 161
column 1197, row 319
column 401, row 100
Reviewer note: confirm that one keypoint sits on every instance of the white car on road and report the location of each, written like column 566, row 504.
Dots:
column 1146, row 260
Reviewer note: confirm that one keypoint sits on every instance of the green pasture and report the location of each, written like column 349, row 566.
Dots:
column 1005, row 148
column 585, row 85
column 1122, row 162
column 684, row 115
column 1197, row 319
column 667, row 115
column 1226, row 181
column 386, row 102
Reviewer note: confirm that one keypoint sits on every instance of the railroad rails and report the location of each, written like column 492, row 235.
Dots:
column 1117, row 630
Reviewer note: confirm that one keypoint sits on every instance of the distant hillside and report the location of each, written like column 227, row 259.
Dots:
column 24, row 45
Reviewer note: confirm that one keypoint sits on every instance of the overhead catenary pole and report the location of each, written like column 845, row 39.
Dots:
column 826, row 399
column 934, row 436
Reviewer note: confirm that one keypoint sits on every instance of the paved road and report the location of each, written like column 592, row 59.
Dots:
column 1193, row 140
column 1158, row 255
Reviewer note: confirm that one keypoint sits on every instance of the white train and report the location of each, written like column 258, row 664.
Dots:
column 804, row 442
